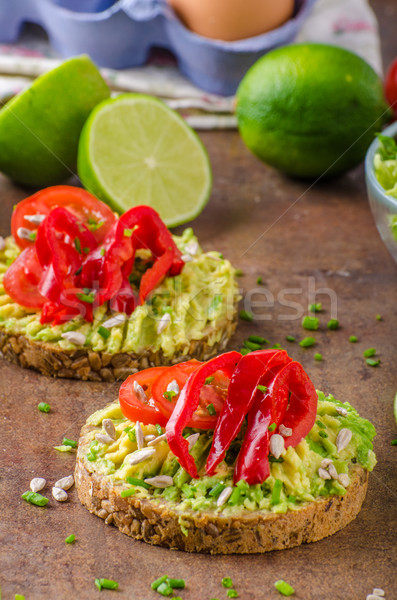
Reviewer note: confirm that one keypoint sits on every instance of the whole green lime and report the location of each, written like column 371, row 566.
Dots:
column 40, row 127
column 310, row 109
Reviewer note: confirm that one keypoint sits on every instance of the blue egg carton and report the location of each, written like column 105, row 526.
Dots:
column 120, row 34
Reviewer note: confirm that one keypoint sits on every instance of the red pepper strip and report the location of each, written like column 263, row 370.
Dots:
column 241, row 394
column 188, row 402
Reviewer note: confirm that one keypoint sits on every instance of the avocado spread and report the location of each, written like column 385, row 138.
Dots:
column 295, row 477
column 200, row 301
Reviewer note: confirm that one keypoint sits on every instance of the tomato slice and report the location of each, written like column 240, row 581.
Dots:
column 83, row 205
column 133, row 407
column 22, row 278
column 212, row 394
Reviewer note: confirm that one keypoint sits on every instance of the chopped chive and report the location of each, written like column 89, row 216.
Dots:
column 259, row 280
column 252, row 345
column 284, row 588
column 89, row 298
column 18, row 597
column 261, row 388
column 102, row 251
column 292, row 499
column 86, row 250
column 238, row 272
column 78, row 271
column 158, row 581
column 211, row 409
column 394, row 442
column 315, row 308
column 176, row 583
column 321, row 425
column 93, row 225
column 276, row 492
column 353, row 339
column 272, row 427
column 159, row 429
column 323, row 434
column 169, row 395
column 290, row 338
column 246, row 315
column 333, row 324
column 307, row 342
column 70, row 539
column 216, row 490
column 257, row 339
column 372, row 362
column 244, row 351
column 209, row 380
column 44, row 407
column 131, row 435
column 234, row 497
column 35, row 498
column 370, row 352
column 77, row 244
column 127, row 493
column 139, row 482
column 67, row 442
column 105, row 333
column 63, row 448
column 128, row 233
column 33, row 236
column 378, row 317
column 164, row 589
column 106, row 584
column 232, row 594
column 318, row 356
column 275, row 460
column 310, row 323
column 227, row 582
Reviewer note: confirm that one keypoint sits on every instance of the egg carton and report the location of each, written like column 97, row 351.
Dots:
column 120, row 34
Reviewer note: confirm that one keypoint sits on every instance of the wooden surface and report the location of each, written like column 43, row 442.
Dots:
column 294, row 236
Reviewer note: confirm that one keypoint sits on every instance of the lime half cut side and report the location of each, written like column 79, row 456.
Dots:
column 135, row 150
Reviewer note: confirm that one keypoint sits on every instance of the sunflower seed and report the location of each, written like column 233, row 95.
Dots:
column 323, row 474
column 285, row 431
column 24, row 233
column 157, row 440
column 35, row 219
column 59, row 494
column 140, row 441
column 277, row 445
column 37, row 484
column 139, row 392
column 344, row 479
column 149, row 437
column 173, row 387
column 343, row 439
column 341, row 411
column 332, row 471
column 378, row 592
column 160, row 481
column 113, row 321
column 109, row 427
column 140, row 455
column 104, row 438
column 65, row 483
column 326, row 462
column 224, row 496
column 163, row 323
column 74, row 337
column 192, row 439
column 2, row 243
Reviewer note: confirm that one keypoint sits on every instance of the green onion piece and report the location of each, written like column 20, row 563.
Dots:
column 284, row 588
column 246, row 315
column 323, row 434
column 318, row 356
column 77, row 244
column 169, row 395
column 244, row 351
column 232, row 594
column 259, row 280
column 321, row 424
column 276, row 493
column 272, row 427
column 128, row 233
column 131, row 435
column 35, row 498
column 44, row 407
column 164, row 589
column 292, row 499
column 102, row 251
column 252, row 345
column 18, row 597
column 235, row 496
column 209, row 380
column 211, row 409
column 127, row 493
column 257, row 339
column 333, row 324
column 216, row 490
column 378, row 317
column 33, row 236
column 310, row 323
column 276, row 460
column 67, row 442
column 262, row 388
column 105, row 333
column 177, row 583
column 159, row 429
column 277, row 345
column 78, row 271
column 227, row 582
column 158, row 581
column 89, row 298
column 106, row 584
column 140, row 482
column 307, row 342
column 370, row 352
column 63, row 448
column 86, row 250
column 70, row 539
column 238, row 272
column 290, row 338
column 372, row 362
column 315, row 308
column 93, row 225
column 353, row 339
column 394, row 442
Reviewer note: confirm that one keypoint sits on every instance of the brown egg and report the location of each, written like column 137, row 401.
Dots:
column 232, row 19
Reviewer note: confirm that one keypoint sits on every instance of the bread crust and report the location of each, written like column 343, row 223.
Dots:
column 85, row 364
column 159, row 523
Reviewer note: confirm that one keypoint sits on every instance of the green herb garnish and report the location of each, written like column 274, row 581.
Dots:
column 333, row 324
column 290, row 338
column 232, row 594
column 105, row 333
column 315, row 308
column 169, row 395
column 246, row 315
column 284, row 588
column 261, row 388
column 238, row 272
column 272, row 427
column 227, row 582
column 70, row 539
column 106, row 584
column 259, row 280
column 276, row 492
column 93, row 225
column 370, row 352
column 307, row 342
column 318, row 356
column 353, row 339
column 310, row 323
column 77, row 244
column 140, row 482
column 68, row 442
column 44, row 407
column 257, row 339
column 209, row 380
column 35, row 498
column 372, row 362
column 252, row 345
column 127, row 233
column 211, row 409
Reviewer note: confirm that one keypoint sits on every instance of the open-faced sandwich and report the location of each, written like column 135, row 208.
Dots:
column 238, row 454
column 88, row 295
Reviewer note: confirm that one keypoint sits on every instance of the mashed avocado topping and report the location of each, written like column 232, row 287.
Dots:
column 199, row 301
column 294, row 480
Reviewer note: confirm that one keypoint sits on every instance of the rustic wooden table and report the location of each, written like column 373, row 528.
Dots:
column 299, row 239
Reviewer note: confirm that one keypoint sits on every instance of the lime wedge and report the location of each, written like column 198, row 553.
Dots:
column 40, row 127
column 135, row 150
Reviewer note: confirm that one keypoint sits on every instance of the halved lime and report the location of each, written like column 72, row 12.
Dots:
column 135, row 150
column 40, row 127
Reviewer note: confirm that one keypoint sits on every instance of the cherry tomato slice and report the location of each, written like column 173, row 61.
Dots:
column 22, row 278
column 79, row 202
column 391, row 86
column 132, row 406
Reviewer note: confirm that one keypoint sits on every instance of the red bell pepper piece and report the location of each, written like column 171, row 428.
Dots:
column 241, row 395
column 188, row 402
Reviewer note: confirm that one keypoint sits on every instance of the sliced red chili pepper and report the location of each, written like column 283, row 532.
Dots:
column 241, row 395
column 131, row 403
column 22, row 278
column 188, row 402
